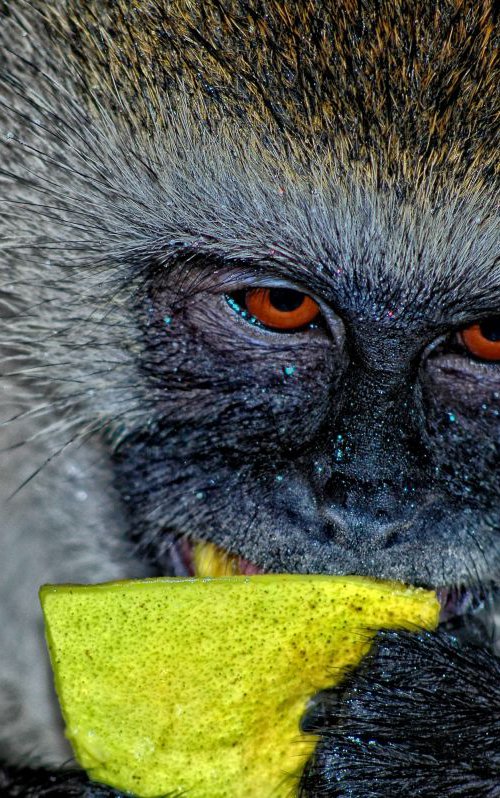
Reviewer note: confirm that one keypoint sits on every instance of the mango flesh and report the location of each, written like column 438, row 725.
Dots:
column 197, row 686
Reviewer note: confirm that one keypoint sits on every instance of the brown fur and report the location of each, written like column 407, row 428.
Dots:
column 400, row 84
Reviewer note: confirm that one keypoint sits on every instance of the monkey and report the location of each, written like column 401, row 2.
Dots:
column 251, row 296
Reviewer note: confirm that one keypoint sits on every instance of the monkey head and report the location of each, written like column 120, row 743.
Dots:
column 273, row 248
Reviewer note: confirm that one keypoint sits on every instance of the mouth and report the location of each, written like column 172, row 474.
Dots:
column 202, row 559
column 206, row 560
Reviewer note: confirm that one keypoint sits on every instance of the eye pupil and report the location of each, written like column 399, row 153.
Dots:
column 490, row 329
column 286, row 300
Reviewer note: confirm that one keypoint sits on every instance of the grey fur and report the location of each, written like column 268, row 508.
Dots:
column 87, row 205
column 64, row 525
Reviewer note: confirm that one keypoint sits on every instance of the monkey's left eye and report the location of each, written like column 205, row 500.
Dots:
column 483, row 339
column 277, row 308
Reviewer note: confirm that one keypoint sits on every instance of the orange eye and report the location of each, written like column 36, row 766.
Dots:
column 483, row 340
column 281, row 308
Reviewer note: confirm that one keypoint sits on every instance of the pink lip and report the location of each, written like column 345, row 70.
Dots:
column 185, row 549
column 457, row 601
column 246, row 567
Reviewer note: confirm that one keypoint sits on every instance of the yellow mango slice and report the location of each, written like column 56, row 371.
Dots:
column 197, row 686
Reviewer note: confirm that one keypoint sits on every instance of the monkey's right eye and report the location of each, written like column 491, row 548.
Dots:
column 281, row 309
column 483, row 339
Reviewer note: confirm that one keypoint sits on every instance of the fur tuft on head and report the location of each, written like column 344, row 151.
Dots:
column 134, row 132
column 400, row 83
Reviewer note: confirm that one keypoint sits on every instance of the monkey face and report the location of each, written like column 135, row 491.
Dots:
column 361, row 437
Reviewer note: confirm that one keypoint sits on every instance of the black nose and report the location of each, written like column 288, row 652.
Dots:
column 383, row 499
column 379, row 511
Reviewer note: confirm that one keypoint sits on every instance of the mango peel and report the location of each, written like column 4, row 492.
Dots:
column 197, row 686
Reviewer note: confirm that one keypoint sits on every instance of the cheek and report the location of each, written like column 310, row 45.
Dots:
column 289, row 397
column 251, row 395
column 464, row 427
column 465, row 403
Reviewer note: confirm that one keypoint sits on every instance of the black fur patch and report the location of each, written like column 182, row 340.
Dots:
column 420, row 718
column 40, row 783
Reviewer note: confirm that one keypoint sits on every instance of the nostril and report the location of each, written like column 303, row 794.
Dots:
column 338, row 488
column 360, row 510
column 352, row 531
column 381, row 514
column 393, row 535
column 351, row 492
column 383, row 501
